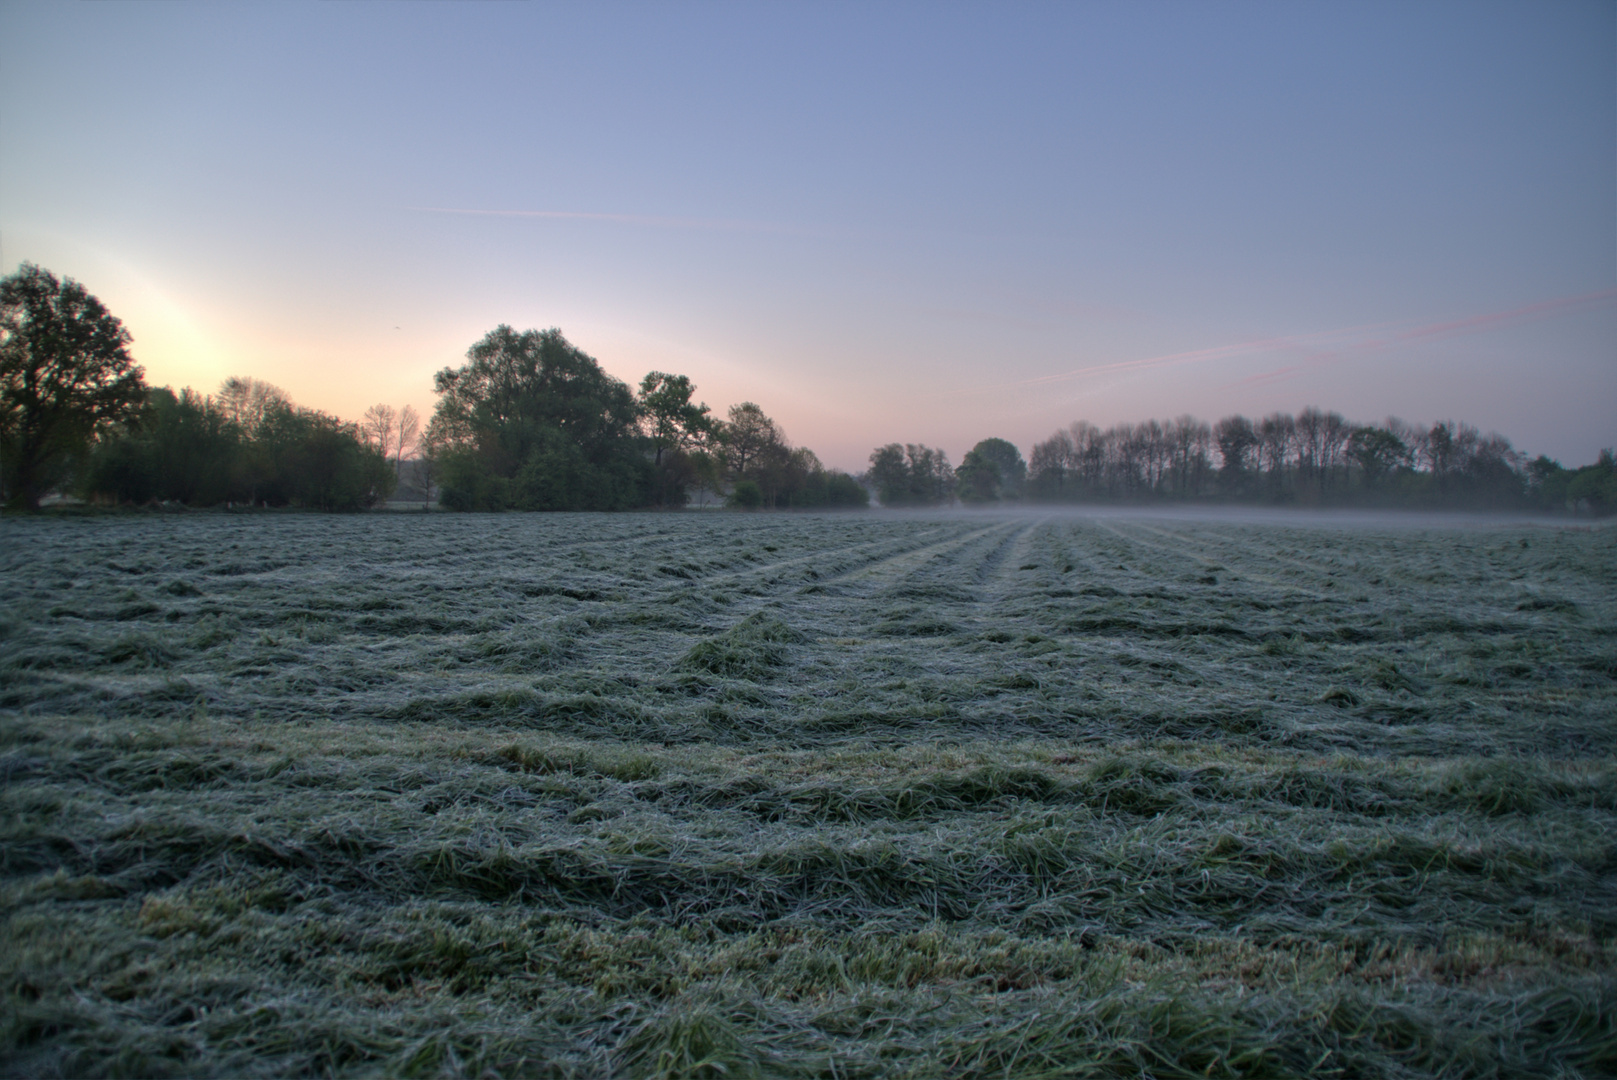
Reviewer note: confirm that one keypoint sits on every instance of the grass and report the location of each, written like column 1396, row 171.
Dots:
column 662, row 795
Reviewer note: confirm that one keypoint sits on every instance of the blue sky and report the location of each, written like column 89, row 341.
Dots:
column 882, row 222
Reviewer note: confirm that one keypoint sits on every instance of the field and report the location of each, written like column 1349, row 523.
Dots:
column 875, row 795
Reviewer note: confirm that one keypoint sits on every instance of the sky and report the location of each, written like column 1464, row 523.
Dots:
column 882, row 222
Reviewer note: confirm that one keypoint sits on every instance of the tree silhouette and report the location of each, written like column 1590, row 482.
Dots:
column 676, row 429
column 991, row 471
column 65, row 373
column 532, row 422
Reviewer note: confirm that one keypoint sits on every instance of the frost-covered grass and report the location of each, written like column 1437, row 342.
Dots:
column 834, row 797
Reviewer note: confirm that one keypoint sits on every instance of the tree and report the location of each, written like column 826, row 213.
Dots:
column 181, row 448
column 931, row 478
column 65, row 374
column 246, row 401
column 814, row 487
column 427, row 466
column 406, row 436
column 844, row 492
column 1593, row 488
column 991, row 471
column 1237, row 443
column 392, row 433
column 531, row 422
column 889, row 474
column 749, row 436
column 377, row 427
column 1377, row 452
column 676, row 429
column 1277, row 433
column 306, row 458
column 671, row 421
column 745, row 495
column 189, row 448
column 912, row 474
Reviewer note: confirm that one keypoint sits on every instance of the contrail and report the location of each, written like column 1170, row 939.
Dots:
column 1344, row 339
column 1194, row 356
column 715, row 224
column 1540, row 310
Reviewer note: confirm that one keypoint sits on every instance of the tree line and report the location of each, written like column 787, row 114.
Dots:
column 247, row 445
column 531, row 422
column 917, row 475
column 1315, row 458
column 76, row 415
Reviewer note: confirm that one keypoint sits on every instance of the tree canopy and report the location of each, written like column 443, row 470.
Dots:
column 911, row 474
column 65, row 374
column 767, row 471
column 532, row 422
column 202, row 451
column 682, row 436
column 991, row 471
column 1315, row 458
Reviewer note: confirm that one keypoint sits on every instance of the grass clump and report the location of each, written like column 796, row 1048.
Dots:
column 752, row 649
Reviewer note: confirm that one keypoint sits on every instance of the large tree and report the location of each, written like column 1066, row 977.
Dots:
column 912, row 474
column 1377, row 452
column 991, row 471
column 1238, row 444
column 672, row 422
column 65, row 373
column 377, row 427
column 532, row 422
column 679, row 431
column 247, row 402
column 752, row 441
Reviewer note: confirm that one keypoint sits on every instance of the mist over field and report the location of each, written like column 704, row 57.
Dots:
column 968, row 794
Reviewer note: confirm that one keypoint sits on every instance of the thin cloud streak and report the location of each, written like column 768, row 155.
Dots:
column 1436, row 331
column 1219, row 352
column 1273, row 376
column 646, row 220
column 1540, row 310
column 1342, row 337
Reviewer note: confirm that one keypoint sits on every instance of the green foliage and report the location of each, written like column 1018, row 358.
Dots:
column 1377, row 452
column 765, row 470
column 1237, row 443
column 179, row 448
column 1314, row 458
column 677, row 430
column 318, row 461
column 65, row 374
column 911, row 474
column 821, row 489
column 992, row 471
column 890, row 474
column 1595, row 486
column 745, row 495
column 843, row 491
column 752, row 442
column 531, row 422
column 190, row 449
column 1590, row 490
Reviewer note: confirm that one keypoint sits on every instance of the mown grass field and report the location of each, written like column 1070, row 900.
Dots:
column 713, row 794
